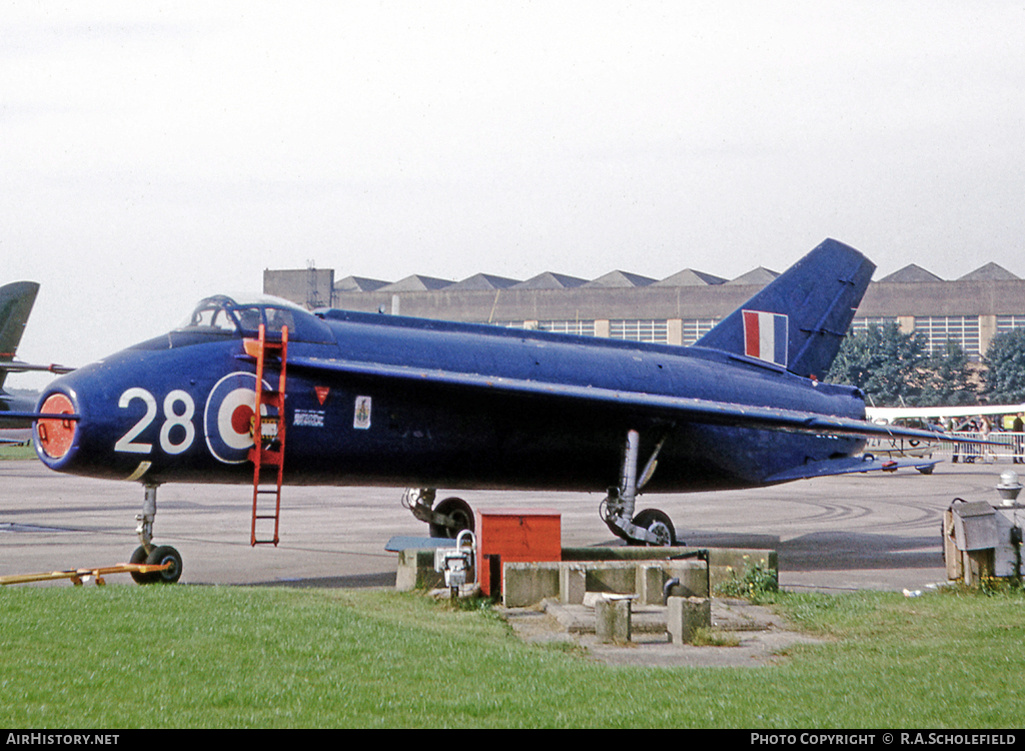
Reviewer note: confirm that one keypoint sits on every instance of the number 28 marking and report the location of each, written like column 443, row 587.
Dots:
column 172, row 418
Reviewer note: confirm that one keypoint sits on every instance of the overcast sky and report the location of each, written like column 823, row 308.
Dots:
column 153, row 153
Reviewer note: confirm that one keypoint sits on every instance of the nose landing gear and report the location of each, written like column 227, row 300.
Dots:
column 150, row 554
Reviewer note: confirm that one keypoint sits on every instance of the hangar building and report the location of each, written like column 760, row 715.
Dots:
column 676, row 310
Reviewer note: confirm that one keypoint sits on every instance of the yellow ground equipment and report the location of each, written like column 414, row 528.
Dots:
column 80, row 575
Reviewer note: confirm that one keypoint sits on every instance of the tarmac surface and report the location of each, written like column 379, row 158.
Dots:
column 862, row 531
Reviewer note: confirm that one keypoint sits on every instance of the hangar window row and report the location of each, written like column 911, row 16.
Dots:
column 1009, row 323
column 695, row 328
column 864, row 324
column 640, row 330
column 580, row 328
column 939, row 330
column 648, row 330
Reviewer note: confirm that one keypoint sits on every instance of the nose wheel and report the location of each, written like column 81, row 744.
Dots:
column 158, row 556
column 152, row 555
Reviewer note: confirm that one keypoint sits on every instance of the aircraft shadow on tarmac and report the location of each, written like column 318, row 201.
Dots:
column 834, row 551
column 817, row 551
column 356, row 581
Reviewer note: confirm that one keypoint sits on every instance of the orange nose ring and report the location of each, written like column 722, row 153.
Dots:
column 56, row 435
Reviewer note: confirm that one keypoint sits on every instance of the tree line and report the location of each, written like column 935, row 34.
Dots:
column 894, row 368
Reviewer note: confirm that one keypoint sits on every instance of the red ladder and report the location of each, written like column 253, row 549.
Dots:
column 268, row 451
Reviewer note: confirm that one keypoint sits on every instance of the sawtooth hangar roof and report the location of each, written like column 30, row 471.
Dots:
column 912, row 273
column 318, row 287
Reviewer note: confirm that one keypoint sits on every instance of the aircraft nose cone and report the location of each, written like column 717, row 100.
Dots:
column 54, row 436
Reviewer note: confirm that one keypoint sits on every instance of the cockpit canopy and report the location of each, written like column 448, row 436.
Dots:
column 225, row 316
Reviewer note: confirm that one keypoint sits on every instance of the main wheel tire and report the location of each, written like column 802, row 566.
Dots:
column 460, row 512
column 166, row 554
column 139, row 556
column 658, row 523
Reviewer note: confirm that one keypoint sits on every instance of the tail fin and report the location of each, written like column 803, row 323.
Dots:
column 799, row 320
column 16, row 300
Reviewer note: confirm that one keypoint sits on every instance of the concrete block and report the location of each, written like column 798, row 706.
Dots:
column 617, row 577
column 685, row 615
column 416, row 571
column 572, row 584
column 651, row 578
column 693, row 576
column 612, row 619
column 720, row 560
column 724, row 562
column 529, row 583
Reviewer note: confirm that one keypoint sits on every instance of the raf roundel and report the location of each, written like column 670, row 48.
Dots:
column 228, row 417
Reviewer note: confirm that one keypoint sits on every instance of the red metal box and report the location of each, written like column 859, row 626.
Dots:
column 514, row 535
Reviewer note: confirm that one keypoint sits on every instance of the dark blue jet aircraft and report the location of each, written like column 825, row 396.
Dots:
column 381, row 400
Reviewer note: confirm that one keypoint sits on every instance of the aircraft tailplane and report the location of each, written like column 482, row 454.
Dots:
column 799, row 320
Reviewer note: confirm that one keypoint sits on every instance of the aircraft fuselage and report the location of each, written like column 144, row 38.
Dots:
column 177, row 408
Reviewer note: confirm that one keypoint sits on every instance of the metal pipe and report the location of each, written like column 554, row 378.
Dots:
column 667, row 587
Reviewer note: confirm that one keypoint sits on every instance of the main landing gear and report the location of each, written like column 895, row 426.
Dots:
column 150, row 554
column 447, row 519
column 648, row 527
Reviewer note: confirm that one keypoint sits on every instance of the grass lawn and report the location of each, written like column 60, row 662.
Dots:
column 123, row 656
column 16, row 453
